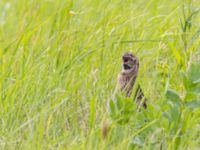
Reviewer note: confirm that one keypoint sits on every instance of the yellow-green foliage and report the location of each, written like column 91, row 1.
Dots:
column 59, row 61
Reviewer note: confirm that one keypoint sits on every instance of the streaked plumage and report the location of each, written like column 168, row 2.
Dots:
column 127, row 77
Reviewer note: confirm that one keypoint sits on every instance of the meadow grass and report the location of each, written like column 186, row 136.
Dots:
column 59, row 61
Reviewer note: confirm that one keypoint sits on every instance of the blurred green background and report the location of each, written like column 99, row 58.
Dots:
column 59, row 61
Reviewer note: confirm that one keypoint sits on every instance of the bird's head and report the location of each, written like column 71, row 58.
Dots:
column 130, row 62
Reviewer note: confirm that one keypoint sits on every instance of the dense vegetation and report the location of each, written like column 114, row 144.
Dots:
column 59, row 61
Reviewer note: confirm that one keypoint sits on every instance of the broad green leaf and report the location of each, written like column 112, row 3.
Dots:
column 194, row 73
column 196, row 81
column 195, row 89
column 167, row 115
column 129, row 105
column 193, row 104
column 190, row 96
column 122, row 120
column 173, row 96
column 192, row 80
column 175, row 113
column 119, row 103
column 185, row 80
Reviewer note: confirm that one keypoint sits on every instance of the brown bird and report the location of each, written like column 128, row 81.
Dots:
column 127, row 77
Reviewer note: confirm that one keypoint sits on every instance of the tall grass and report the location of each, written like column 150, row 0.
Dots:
column 59, row 62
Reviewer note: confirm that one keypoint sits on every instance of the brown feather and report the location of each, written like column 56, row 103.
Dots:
column 126, row 79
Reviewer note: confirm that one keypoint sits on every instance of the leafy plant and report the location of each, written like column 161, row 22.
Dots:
column 180, row 108
column 122, row 109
